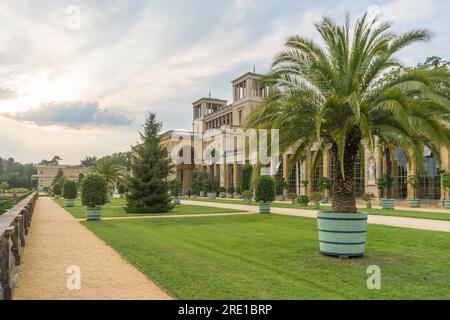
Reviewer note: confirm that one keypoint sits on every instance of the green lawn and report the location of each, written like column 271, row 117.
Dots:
column 276, row 257
column 115, row 209
column 381, row 212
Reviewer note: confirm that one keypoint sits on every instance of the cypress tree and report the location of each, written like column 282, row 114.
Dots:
column 148, row 186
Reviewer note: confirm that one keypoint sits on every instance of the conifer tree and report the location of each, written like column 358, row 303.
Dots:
column 148, row 186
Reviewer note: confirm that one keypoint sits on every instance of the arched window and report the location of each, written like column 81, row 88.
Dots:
column 430, row 180
column 400, row 174
column 318, row 173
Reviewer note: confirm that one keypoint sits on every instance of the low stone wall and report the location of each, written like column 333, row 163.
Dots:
column 14, row 226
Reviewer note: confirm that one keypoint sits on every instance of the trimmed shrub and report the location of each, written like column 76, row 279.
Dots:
column 94, row 190
column 303, row 200
column 246, row 176
column 280, row 185
column 57, row 189
column 315, row 197
column 121, row 189
column 175, row 187
column 265, row 189
column 70, row 190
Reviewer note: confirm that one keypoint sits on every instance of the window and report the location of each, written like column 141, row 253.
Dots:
column 197, row 112
column 430, row 181
column 292, row 181
column 240, row 117
column 318, row 173
column 231, row 175
column 400, row 175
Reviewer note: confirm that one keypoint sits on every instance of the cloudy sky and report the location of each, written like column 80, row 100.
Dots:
column 80, row 84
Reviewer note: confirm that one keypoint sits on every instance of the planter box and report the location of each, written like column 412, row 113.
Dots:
column 264, row 207
column 229, row 195
column 447, row 204
column 247, row 200
column 387, row 203
column 316, row 205
column 70, row 202
column 280, row 198
column 222, row 195
column 176, row 200
column 293, row 201
column 56, row 196
column 414, row 203
column 202, row 193
column 368, row 205
column 212, row 195
column 93, row 214
column 342, row 234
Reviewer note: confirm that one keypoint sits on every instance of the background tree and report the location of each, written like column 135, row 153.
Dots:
column 147, row 187
column 88, row 161
column 337, row 96
column 59, row 178
column 53, row 162
column 109, row 170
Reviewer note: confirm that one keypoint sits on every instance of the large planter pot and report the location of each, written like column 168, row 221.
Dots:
column 342, row 234
column 447, row 204
column 247, row 200
column 280, row 198
column 387, row 203
column 264, row 207
column 56, row 196
column 368, row 205
column 229, row 195
column 93, row 214
column 239, row 196
column 202, row 193
column 293, row 201
column 176, row 200
column 222, row 195
column 414, row 203
column 212, row 195
column 109, row 196
column 70, row 202
column 316, row 205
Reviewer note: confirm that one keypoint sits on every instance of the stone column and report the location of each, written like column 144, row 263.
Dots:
column 286, row 172
column 235, row 175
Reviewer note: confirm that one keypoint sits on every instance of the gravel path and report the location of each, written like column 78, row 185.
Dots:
column 403, row 222
column 57, row 241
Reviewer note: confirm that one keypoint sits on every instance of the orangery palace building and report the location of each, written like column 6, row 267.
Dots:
column 217, row 114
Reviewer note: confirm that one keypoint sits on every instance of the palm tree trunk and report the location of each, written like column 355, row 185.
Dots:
column 344, row 200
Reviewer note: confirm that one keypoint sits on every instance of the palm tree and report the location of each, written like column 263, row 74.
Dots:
column 351, row 91
column 109, row 170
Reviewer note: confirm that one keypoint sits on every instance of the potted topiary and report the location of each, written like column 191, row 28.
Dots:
column 446, row 185
column 70, row 192
column 230, row 192
column 324, row 184
column 293, row 197
column 57, row 190
column 368, row 197
column 315, row 197
column 247, row 195
column 213, row 185
column 303, row 200
column 121, row 189
column 239, row 192
column 384, row 182
column 265, row 193
column 175, row 187
column 94, row 191
column 280, row 185
column 413, row 181
column 222, row 192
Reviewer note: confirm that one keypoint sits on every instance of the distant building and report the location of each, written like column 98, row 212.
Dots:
column 46, row 174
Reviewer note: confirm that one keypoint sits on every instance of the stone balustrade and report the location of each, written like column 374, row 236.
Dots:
column 14, row 226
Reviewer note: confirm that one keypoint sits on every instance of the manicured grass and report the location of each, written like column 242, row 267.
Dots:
column 276, row 257
column 381, row 212
column 111, row 210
